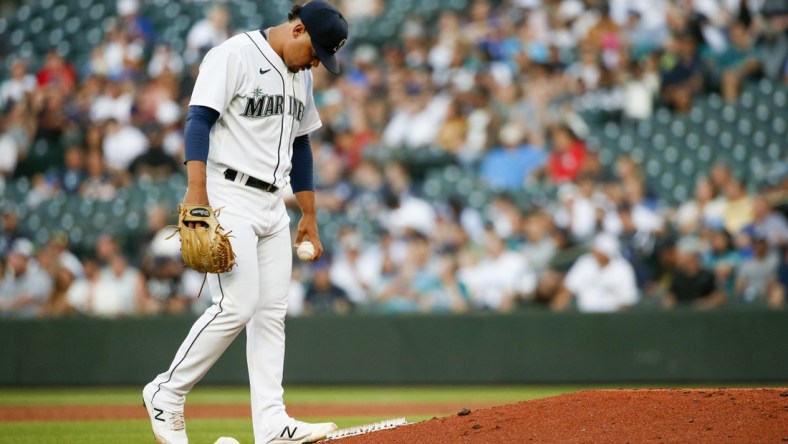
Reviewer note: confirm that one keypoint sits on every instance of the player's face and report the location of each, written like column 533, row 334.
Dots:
column 299, row 53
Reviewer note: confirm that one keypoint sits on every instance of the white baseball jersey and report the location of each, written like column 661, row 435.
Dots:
column 263, row 107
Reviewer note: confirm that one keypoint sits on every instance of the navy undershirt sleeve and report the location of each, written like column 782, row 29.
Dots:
column 301, row 173
column 198, row 130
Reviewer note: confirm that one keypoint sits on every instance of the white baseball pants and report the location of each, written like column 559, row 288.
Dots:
column 252, row 295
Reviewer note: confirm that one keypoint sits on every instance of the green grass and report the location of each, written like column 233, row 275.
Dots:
column 207, row 430
column 312, row 395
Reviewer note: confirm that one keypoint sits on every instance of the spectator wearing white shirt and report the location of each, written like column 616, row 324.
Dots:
column 499, row 278
column 19, row 85
column 122, row 144
column 119, row 291
column 114, row 103
column 207, row 33
column 418, row 121
column 165, row 60
column 25, row 286
column 601, row 280
column 351, row 273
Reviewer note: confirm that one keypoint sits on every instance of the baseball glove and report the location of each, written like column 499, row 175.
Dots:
column 206, row 247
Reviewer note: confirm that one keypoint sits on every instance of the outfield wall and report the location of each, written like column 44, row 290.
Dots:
column 725, row 346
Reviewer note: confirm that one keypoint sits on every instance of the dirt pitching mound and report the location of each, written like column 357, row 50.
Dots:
column 611, row 416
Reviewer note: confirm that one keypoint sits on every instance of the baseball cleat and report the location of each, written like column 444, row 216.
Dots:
column 303, row 432
column 168, row 427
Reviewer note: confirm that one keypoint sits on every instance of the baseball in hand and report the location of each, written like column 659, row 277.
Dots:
column 305, row 251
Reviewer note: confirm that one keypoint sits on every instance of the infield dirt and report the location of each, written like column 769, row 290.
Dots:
column 611, row 416
column 592, row 416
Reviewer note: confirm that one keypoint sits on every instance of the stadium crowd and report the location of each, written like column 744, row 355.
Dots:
column 499, row 87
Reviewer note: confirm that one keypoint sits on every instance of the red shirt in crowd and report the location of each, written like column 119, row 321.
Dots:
column 565, row 165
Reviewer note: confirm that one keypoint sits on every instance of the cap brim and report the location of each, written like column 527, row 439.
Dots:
column 327, row 59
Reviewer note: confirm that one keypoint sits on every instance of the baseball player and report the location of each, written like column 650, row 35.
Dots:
column 252, row 104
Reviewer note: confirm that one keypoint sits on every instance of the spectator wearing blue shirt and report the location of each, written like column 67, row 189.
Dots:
column 511, row 165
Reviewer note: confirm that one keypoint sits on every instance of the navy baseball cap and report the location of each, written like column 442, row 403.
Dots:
column 328, row 30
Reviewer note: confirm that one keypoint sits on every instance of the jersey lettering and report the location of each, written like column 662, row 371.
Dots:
column 296, row 108
column 261, row 105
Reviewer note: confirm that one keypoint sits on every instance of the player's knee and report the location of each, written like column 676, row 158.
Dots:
column 239, row 313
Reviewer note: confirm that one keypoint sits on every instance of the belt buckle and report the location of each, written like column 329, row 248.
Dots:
column 269, row 187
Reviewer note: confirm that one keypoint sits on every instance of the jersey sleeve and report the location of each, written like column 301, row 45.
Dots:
column 218, row 80
column 311, row 120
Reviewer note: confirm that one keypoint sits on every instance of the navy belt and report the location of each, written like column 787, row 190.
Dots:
column 231, row 174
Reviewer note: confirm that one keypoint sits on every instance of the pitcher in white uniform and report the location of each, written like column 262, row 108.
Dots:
column 252, row 104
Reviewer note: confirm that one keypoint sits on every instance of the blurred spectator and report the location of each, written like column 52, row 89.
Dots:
column 57, row 305
column 354, row 272
column 25, row 286
column 738, row 210
column 691, row 284
column 57, row 74
column 70, row 176
column 450, row 295
column 82, row 290
column 98, row 184
column 505, row 217
column 514, row 163
column 701, row 211
column 19, row 86
column 118, row 290
column 11, row 229
column 418, row 119
column 768, row 223
column 756, row 278
column 135, row 27
column 722, row 259
column 207, row 33
column 601, row 281
column 323, row 296
column 114, row 104
column 361, row 9
column 738, row 62
column 680, row 72
column 42, row 189
column 402, row 291
column 567, row 155
column 17, row 128
column 58, row 247
column 154, row 164
column 332, row 190
column 641, row 88
column 497, row 279
column 581, row 209
column 774, row 48
column 119, row 57
column 539, row 247
column 122, row 144
column 452, row 134
column 164, row 61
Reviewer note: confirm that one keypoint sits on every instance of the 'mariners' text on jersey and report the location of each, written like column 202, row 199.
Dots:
column 273, row 105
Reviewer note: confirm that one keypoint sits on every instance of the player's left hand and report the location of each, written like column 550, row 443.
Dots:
column 307, row 229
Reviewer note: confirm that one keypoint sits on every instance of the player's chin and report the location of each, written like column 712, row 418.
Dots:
column 296, row 69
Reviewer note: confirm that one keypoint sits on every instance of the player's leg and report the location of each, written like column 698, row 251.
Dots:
column 213, row 332
column 265, row 334
column 265, row 347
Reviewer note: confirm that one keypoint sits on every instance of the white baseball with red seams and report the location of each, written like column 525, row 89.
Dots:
column 305, row 251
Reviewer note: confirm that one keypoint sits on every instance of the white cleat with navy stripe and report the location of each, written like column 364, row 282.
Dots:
column 303, row 432
column 168, row 427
